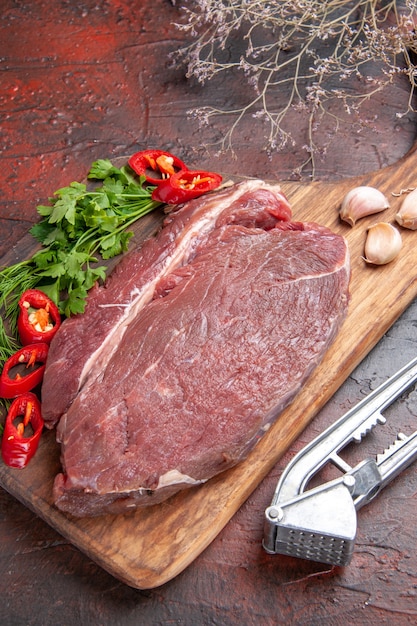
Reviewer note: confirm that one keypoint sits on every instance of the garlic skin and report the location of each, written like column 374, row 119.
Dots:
column 360, row 202
column 383, row 243
column 407, row 215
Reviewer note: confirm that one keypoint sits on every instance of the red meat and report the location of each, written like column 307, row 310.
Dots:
column 224, row 338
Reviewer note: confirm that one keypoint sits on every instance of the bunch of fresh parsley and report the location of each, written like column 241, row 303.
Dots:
column 80, row 228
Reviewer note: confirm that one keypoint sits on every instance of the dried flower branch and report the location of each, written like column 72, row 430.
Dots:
column 275, row 45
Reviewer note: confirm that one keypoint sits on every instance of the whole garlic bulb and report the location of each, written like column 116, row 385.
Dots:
column 407, row 215
column 383, row 243
column 362, row 201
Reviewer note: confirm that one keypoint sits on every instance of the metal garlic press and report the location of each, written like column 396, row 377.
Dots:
column 319, row 524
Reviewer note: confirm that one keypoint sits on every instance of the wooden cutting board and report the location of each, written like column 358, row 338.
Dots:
column 149, row 547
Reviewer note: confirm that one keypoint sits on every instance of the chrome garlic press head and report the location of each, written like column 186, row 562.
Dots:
column 320, row 523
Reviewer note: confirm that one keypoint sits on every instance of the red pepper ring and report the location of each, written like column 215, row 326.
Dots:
column 44, row 311
column 164, row 164
column 16, row 449
column 31, row 355
column 186, row 185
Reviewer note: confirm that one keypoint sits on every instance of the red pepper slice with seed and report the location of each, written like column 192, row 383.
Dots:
column 39, row 317
column 155, row 165
column 16, row 448
column 32, row 359
column 186, row 185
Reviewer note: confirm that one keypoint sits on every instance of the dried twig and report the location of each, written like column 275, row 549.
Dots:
column 279, row 41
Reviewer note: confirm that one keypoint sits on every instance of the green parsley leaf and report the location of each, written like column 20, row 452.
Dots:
column 78, row 224
column 118, row 246
column 101, row 169
column 45, row 211
column 74, row 263
column 75, row 303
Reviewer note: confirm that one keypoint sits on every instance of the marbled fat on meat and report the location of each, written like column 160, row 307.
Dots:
column 83, row 345
column 222, row 341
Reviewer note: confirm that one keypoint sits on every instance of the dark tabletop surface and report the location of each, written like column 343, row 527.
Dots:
column 93, row 79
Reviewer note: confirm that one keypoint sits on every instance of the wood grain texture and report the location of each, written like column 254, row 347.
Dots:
column 149, row 547
column 92, row 78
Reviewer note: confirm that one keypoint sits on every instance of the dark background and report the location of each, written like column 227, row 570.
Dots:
column 93, row 79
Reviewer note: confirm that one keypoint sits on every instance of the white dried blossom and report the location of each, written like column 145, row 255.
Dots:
column 280, row 42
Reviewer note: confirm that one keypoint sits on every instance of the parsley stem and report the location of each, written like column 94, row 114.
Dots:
column 141, row 212
column 78, row 224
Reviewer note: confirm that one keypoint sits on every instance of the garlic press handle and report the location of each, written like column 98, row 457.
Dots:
column 389, row 464
column 352, row 426
column 320, row 524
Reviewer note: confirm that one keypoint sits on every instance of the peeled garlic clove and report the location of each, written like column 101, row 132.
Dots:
column 362, row 201
column 383, row 243
column 407, row 215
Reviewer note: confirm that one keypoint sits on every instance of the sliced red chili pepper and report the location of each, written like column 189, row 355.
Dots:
column 16, row 449
column 155, row 165
column 33, row 358
column 39, row 318
column 186, row 185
